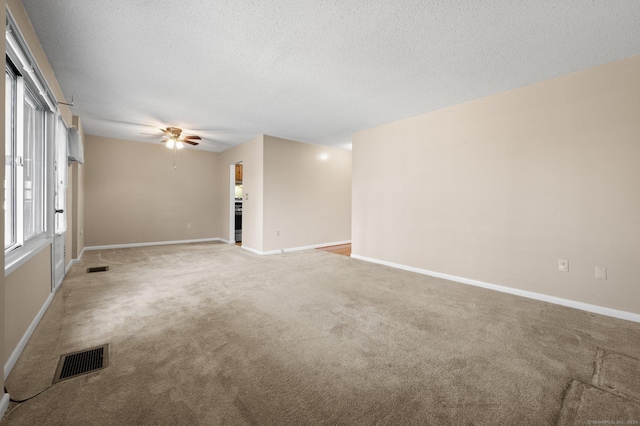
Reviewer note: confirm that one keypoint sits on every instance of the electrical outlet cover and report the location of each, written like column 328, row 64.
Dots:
column 563, row 265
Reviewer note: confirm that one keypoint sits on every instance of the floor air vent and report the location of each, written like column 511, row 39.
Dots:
column 82, row 362
column 97, row 269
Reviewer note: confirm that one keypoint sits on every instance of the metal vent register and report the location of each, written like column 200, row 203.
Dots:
column 82, row 362
column 97, row 269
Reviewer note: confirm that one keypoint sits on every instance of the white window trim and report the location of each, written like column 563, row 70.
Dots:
column 26, row 61
column 21, row 255
column 17, row 49
column 19, row 176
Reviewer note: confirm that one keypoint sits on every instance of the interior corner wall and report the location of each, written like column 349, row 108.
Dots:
column 79, row 223
column 307, row 194
column 251, row 155
column 134, row 195
column 499, row 189
column 70, row 215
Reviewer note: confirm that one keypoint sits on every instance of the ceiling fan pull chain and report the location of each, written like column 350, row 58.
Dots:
column 174, row 158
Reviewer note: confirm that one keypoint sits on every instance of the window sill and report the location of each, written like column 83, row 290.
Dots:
column 18, row 257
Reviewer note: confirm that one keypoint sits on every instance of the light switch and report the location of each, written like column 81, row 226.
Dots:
column 601, row 273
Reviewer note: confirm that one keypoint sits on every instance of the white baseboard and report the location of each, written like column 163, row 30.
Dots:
column 157, row 243
column 204, row 240
column 292, row 249
column 629, row 316
column 243, row 247
column 13, row 358
column 73, row 262
column 4, row 404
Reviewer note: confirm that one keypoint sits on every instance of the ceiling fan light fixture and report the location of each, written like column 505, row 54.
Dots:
column 176, row 140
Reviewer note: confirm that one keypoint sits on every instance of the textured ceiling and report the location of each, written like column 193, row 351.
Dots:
column 311, row 70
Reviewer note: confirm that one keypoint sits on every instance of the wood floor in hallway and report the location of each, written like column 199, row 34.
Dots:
column 343, row 249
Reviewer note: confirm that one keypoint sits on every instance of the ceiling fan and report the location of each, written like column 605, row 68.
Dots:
column 175, row 139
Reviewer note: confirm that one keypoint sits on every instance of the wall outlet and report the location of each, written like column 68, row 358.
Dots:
column 246, row 196
column 368, row 238
column 563, row 265
column 188, row 226
column 601, row 273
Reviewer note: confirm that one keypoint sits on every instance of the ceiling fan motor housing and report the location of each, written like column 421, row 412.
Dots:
column 175, row 132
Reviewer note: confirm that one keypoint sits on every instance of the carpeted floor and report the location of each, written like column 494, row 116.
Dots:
column 213, row 334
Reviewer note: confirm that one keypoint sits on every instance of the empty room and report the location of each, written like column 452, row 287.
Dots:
column 299, row 213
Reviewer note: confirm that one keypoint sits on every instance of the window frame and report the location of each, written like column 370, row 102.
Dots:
column 38, row 176
column 28, row 77
column 10, row 124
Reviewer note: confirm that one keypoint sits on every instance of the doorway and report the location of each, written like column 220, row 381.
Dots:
column 235, row 222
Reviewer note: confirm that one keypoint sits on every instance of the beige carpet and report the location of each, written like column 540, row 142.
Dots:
column 213, row 334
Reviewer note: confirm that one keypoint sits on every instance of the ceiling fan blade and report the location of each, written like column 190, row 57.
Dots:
column 190, row 142
column 166, row 131
column 129, row 123
column 193, row 137
column 164, row 140
column 215, row 142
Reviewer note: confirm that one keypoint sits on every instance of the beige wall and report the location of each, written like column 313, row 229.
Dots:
column 70, row 215
column 290, row 190
column 251, row 155
column 26, row 290
column 307, row 196
column 499, row 189
column 133, row 194
column 78, row 246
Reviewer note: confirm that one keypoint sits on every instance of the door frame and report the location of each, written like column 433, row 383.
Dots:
column 58, row 239
column 232, row 203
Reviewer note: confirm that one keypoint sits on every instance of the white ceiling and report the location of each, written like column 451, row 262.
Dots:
column 311, row 70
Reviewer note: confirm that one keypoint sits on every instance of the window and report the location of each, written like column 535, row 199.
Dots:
column 10, row 237
column 31, row 137
column 34, row 167
column 24, row 185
